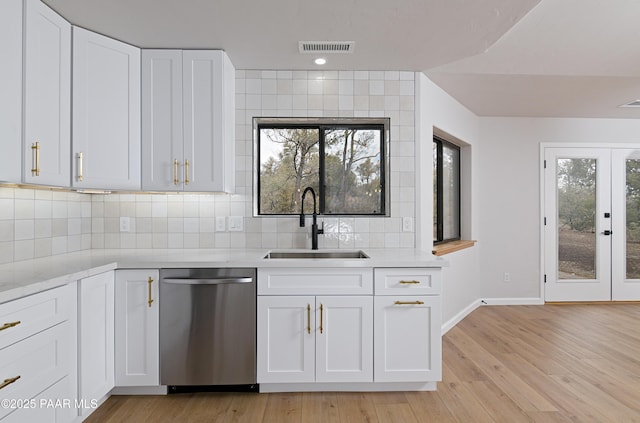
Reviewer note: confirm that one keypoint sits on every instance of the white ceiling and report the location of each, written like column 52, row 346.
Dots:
column 565, row 58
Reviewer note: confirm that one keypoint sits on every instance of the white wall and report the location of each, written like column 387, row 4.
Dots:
column 435, row 108
column 509, row 194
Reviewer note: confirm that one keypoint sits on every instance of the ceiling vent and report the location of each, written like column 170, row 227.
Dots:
column 326, row 46
column 635, row 103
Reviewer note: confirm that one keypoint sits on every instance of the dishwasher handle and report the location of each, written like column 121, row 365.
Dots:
column 206, row 281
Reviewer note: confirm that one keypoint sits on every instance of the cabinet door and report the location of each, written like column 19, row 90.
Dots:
column 408, row 345
column 344, row 339
column 207, row 123
column 162, row 165
column 11, row 89
column 96, row 337
column 286, row 339
column 106, row 112
column 137, row 329
column 47, row 106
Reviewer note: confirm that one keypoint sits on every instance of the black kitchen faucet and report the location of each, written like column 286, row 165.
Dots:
column 314, row 226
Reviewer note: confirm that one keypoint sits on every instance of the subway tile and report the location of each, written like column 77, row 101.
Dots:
column 24, row 250
column 6, row 252
column 6, row 208
column 23, row 229
column 42, row 229
column 42, row 248
column 7, row 230
column 24, row 208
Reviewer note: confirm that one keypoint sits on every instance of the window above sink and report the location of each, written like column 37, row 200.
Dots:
column 346, row 161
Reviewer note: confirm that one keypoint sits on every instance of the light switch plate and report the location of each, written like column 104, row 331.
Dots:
column 236, row 223
column 407, row 224
column 221, row 224
column 125, row 224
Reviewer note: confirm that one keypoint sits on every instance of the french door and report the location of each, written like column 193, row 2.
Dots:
column 591, row 234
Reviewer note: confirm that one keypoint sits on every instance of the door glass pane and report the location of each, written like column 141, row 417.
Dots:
column 576, row 188
column 633, row 218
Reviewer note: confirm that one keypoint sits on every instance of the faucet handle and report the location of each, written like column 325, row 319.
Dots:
column 302, row 220
column 321, row 230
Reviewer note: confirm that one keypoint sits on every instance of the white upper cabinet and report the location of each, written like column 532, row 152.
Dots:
column 106, row 112
column 161, row 119
column 47, row 99
column 188, row 121
column 11, row 90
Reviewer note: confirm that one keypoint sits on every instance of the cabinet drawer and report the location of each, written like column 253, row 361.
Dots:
column 408, row 281
column 55, row 405
column 26, row 316
column 315, row 281
column 36, row 363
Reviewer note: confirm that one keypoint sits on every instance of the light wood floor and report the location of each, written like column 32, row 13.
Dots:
column 551, row 363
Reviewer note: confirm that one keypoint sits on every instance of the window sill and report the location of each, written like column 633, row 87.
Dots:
column 452, row 246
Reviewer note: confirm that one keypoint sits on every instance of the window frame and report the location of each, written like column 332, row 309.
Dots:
column 439, row 197
column 323, row 124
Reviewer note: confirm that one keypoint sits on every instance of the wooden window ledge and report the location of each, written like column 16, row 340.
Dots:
column 452, row 246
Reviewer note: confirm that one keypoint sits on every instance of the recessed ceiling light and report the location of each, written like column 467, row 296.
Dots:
column 320, row 61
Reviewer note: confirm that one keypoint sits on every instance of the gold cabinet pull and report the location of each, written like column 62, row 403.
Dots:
column 80, row 171
column 150, row 300
column 321, row 308
column 186, row 172
column 309, row 318
column 35, row 159
column 175, row 171
column 9, row 325
column 409, row 282
column 8, row 382
column 409, row 302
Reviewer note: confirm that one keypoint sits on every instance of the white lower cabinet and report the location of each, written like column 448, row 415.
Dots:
column 96, row 338
column 305, row 339
column 407, row 322
column 326, row 336
column 407, row 337
column 323, row 329
column 38, row 362
column 137, row 328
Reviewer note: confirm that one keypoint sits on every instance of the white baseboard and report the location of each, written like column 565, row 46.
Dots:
column 446, row 326
column 512, row 301
column 461, row 315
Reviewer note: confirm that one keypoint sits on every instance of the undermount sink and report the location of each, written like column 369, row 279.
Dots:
column 316, row 255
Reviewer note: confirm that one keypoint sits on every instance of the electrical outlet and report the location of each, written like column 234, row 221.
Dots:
column 125, row 224
column 236, row 223
column 507, row 277
column 407, row 224
column 221, row 224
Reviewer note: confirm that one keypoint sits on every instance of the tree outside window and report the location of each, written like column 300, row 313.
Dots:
column 343, row 163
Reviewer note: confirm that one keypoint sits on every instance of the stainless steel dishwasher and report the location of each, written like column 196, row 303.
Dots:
column 208, row 329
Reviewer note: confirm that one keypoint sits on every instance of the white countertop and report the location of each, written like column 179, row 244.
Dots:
column 28, row 277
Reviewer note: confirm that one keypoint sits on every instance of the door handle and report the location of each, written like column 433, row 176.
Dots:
column 606, row 232
column 150, row 298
